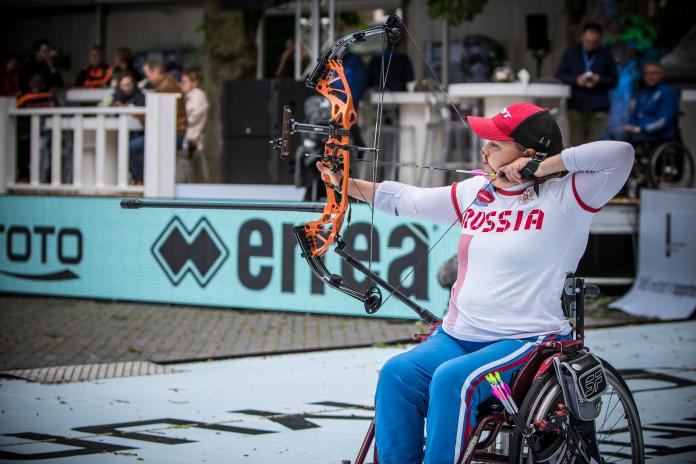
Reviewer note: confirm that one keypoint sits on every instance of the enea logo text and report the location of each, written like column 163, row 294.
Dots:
column 40, row 252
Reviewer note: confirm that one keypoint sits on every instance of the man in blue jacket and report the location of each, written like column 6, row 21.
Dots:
column 654, row 118
column 589, row 69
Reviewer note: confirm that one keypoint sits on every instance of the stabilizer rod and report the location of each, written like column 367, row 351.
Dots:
column 372, row 297
column 424, row 314
column 298, row 207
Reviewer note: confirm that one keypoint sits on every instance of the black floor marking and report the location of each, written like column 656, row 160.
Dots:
column 83, row 447
column 659, row 450
column 337, row 404
column 112, row 429
column 297, row 421
column 642, row 374
column 291, row 421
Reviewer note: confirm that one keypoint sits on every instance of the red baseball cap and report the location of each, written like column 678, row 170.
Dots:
column 527, row 124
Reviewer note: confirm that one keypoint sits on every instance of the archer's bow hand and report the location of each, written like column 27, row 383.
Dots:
column 325, row 171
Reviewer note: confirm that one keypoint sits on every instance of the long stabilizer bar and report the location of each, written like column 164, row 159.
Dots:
column 299, row 207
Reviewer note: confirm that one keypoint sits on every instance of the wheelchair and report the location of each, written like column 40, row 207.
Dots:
column 615, row 435
column 667, row 164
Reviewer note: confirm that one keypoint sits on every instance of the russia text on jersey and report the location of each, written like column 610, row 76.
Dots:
column 502, row 221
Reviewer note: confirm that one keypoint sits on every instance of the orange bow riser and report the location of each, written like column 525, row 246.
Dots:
column 322, row 232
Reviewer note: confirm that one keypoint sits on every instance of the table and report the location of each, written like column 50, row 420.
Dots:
column 416, row 110
column 78, row 95
column 498, row 95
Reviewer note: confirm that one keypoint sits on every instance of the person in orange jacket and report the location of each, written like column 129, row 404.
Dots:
column 97, row 73
column 38, row 94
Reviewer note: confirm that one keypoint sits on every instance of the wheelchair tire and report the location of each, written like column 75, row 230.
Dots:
column 672, row 165
column 617, row 442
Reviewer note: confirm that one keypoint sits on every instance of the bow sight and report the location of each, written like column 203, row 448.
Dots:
column 290, row 126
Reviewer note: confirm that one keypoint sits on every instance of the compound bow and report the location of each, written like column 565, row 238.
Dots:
column 315, row 237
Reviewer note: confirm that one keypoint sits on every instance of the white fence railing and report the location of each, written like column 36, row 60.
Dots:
column 89, row 148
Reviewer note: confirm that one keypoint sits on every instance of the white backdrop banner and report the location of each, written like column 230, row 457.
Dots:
column 666, row 283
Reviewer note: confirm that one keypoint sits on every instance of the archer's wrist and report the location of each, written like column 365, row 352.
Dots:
column 551, row 165
column 543, row 169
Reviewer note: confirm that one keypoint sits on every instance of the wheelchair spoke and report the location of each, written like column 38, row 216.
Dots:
column 615, row 456
column 609, row 415
column 604, row 421
column 615, row 453
column 612, row 427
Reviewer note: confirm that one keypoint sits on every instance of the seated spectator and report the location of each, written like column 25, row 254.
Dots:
column 172, row 67
column 163, row 83
column 9, row 75
column 196, row 114
column 654, row 118
column 97, row 73
column 123, row 63
column 127, row 93
column 41, row 62
column 38, row 95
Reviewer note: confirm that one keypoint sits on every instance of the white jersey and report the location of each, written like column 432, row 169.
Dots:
column 515, row 247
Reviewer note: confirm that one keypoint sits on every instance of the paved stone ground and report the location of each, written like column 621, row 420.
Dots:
column 43, row 331
column 39, row 332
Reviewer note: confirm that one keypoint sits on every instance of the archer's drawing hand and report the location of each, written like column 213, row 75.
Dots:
column 513, row 171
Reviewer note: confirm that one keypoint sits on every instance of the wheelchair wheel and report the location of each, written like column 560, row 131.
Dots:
column 618, row 430
column 671, row 165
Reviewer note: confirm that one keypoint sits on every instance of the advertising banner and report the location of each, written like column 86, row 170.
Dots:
column 666, row 283
column 91, row 248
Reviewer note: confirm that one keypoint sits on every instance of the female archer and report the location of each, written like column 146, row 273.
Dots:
column 519, row 238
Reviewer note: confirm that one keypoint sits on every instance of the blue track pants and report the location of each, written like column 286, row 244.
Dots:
column 441, row 379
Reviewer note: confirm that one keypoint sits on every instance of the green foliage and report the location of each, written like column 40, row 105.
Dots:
column 455, row 11
column 636, row 32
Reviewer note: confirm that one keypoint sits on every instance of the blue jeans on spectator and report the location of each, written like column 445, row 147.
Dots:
column 136, row 147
